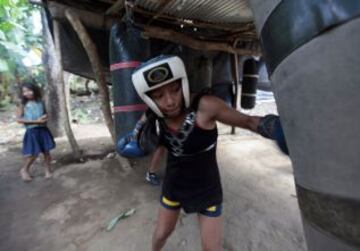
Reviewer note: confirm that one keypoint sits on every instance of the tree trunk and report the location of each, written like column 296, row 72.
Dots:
column 52, row 72
column 67, row 76
column 67, row 126
column 97, row 68
column 87, row 90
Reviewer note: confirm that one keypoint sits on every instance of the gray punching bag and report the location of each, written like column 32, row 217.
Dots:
column 312, row 50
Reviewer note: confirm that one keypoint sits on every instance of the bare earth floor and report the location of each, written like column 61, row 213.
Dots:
column 71, row 211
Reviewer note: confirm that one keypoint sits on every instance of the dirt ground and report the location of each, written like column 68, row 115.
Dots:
column 71, row 211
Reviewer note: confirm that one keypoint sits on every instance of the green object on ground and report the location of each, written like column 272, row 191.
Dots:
column 121, row 216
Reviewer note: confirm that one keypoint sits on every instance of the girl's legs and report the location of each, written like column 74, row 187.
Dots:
column 166, row 223
column 211, row 232
column 24, row 172
column 47, row 160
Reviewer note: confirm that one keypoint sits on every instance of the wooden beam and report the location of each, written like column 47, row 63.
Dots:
column 90, row 19
column 94, row 59
column 116, row 7
column 163, row 4
column 175, row 37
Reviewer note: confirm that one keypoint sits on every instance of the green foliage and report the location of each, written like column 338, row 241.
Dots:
column 81, row 115
column 17, row 39
column 3, row 65
column 5, row 102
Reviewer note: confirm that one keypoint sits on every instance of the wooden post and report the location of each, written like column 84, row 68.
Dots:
column 74, row 146
column 94, row 59
column 236, row 82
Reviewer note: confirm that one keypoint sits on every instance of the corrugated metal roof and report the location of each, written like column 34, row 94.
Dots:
column 212, row 11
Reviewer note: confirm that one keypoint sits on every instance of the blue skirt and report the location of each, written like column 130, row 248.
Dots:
column 37, row 140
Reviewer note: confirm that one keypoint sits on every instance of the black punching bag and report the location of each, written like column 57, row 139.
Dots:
column 249, row 84
column 127, row 50
column 222, row 78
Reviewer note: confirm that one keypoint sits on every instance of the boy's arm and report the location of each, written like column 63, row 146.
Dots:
column 214, row 109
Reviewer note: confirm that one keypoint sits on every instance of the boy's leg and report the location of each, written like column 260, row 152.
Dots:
column 211, row 232
column 24, row 172
column 47, row 160
column 165, row 225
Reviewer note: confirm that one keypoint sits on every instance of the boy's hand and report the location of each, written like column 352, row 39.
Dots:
column 270, row 127
column 128, row 147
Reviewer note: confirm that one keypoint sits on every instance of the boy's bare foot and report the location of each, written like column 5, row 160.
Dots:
column 25, row 176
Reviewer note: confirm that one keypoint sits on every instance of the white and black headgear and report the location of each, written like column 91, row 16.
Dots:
column 156, row 73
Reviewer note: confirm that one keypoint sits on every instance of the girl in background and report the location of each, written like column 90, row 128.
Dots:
column 37, row 138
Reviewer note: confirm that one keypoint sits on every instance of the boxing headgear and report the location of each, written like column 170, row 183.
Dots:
column 156, row 73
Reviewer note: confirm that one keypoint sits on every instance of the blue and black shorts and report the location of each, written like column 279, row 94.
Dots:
column 213, row 211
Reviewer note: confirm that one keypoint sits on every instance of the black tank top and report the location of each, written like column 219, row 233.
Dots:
column 192, row 175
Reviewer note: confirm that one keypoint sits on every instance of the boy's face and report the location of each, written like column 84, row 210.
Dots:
column 27, row 93
column 169, row 99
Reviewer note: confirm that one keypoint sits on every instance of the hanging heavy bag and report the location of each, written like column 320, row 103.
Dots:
column 249, row 84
